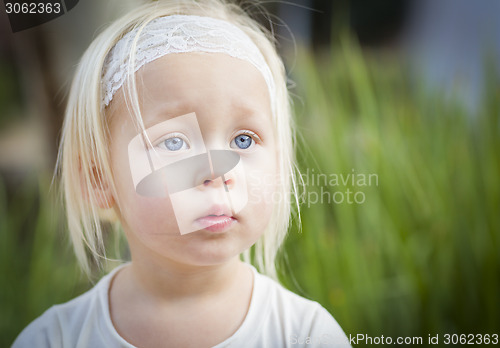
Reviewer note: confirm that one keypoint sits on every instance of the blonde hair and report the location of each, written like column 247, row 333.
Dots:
column 84, row 160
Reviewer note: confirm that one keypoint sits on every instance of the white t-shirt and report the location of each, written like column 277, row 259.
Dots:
column 276, row 318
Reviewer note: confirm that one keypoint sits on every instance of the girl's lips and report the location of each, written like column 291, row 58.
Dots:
column 216, row 223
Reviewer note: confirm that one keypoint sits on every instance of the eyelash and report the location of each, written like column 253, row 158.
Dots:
column 170, row 136
column 251, row 134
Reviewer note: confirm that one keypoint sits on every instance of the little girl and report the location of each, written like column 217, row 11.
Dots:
column 178, row 124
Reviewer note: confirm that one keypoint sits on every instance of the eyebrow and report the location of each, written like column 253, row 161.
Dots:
column 170, row 110
column 247, row 109
column 167, row 111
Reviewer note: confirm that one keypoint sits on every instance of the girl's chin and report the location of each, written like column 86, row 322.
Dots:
column 208, row 251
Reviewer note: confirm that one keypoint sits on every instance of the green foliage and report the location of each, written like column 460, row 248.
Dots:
column 36, row 261
column 420, row 255
column 10, row 92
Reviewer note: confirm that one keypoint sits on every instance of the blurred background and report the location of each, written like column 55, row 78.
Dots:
column 406, row 92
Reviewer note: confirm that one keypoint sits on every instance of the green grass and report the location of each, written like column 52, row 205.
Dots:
column 37, row 265
column 418, row 257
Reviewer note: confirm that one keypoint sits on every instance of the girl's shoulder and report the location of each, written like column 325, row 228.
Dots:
column 289, row 318
column 61, row 324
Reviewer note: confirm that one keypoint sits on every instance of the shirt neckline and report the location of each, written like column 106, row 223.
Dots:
column 245, row 332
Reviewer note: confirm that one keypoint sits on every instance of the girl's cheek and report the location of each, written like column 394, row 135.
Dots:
column 262, row 181
column 261, row 188
column 150, row 215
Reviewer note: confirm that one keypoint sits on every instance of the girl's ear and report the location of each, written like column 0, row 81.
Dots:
column 96, row 190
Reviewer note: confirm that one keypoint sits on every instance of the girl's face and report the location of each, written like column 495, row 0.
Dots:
column 208, row 206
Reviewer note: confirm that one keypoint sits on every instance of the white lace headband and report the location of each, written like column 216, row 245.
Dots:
column 180, row 34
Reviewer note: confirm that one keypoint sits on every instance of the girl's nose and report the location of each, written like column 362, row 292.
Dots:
column 224, row 180
column 221, row 163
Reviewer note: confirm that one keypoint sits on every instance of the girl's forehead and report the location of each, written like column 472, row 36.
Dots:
column 204, row 70
column 220, row 89
column 203, row 82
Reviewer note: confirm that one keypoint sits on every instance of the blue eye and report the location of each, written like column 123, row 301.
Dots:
column 174, row 144
column 243, row 141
